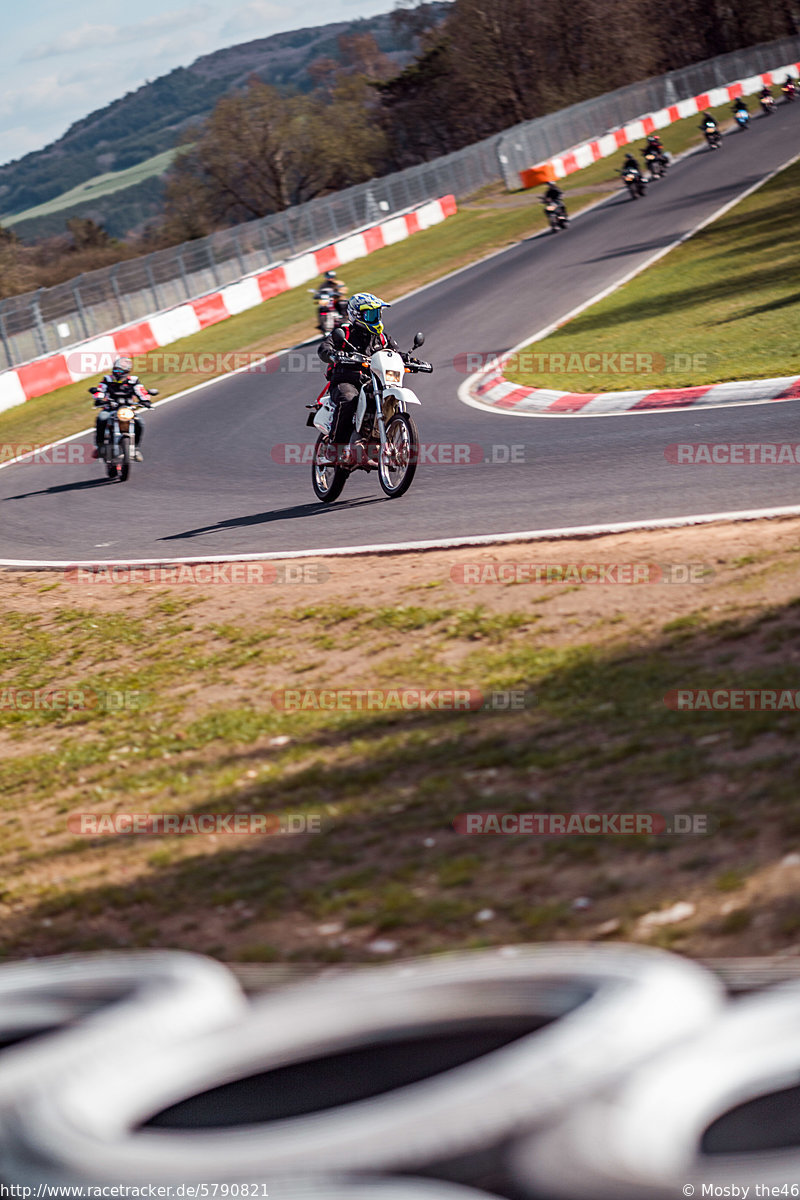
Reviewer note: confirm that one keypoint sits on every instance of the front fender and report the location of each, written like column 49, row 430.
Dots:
column 401, row 393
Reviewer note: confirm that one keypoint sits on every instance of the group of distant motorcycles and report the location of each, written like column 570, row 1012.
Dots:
column 657, row 160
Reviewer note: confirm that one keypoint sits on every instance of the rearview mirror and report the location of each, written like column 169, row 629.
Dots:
column 338, row 338
column 419, row 338
column 153, row 391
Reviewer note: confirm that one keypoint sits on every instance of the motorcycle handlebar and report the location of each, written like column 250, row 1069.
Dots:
column 355, row 360
column 358, row 360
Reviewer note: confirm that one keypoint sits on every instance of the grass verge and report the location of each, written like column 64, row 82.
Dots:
column 595, row 735
column 723, row 306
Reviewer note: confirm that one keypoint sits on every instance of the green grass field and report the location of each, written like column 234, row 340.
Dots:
column 723, row 306
column 99, row 185
column 595, row 735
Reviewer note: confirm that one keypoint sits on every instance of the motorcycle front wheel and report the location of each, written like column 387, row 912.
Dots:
column 398, row 458
column 326, row 478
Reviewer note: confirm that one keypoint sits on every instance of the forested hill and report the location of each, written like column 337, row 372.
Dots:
column 150, row 120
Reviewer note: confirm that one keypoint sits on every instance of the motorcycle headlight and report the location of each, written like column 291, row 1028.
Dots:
column 125, row 414
column 393, row 376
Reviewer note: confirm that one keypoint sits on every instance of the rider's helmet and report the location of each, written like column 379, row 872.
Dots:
column 121, row 369
column 330, row 274
column 365, row 309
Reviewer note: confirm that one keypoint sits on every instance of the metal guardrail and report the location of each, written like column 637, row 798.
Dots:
column 50, row 319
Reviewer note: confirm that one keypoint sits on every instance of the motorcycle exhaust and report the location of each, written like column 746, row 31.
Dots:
column 428, row 1067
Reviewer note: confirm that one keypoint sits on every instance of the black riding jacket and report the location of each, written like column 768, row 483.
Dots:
column 359, row 340
column 121, row 391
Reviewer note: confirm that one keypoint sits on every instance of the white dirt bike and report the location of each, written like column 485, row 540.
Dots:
column 384, row 435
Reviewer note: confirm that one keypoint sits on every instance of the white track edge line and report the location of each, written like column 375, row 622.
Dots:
column 487, row 539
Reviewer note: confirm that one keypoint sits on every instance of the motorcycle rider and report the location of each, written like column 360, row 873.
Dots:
column 554, row 195
column 334, row 289
column 709, row 126
column 119, row 387
column 364, row 335
column 789, row 86
column 739, row 105
column 655, row 145
column 629, row 163
column 766, row 97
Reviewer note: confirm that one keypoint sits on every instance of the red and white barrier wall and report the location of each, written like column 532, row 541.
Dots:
column 57, row 370
column 589, row 152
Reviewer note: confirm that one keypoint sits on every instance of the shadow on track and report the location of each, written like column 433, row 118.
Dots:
column 314, row 509
column 62, row 487
column 636, row 248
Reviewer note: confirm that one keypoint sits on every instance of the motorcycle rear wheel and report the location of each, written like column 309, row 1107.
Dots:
column 397, row 464
column 326, row 478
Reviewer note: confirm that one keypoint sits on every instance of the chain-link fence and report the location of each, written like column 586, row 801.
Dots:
column 50, row 319
column 535, row 141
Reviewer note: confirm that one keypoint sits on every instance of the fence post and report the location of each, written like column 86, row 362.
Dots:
column 238, row 244
column 265, row 240
column 117, row 293
column 212, row 262
column 289, row 235
column 40, row 334
column 81, row 314
column 184, row 276
column 6, row 347
column 151, row 281
column 332, row 215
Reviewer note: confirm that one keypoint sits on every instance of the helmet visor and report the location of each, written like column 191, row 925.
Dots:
column 371, row 316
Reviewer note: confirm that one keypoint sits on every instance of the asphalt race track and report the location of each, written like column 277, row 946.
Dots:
column 211, row 484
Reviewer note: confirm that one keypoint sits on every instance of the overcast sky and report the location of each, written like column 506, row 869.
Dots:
column 59, row 62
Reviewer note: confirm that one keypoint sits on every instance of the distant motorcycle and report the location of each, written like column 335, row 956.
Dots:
column 768, row 105
column 656, row 163
column 634, row 181
column 330, row 309
column 556, row 214
column 742, row 118
column 116, row 451
column 789, row 91
column 713, row 136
